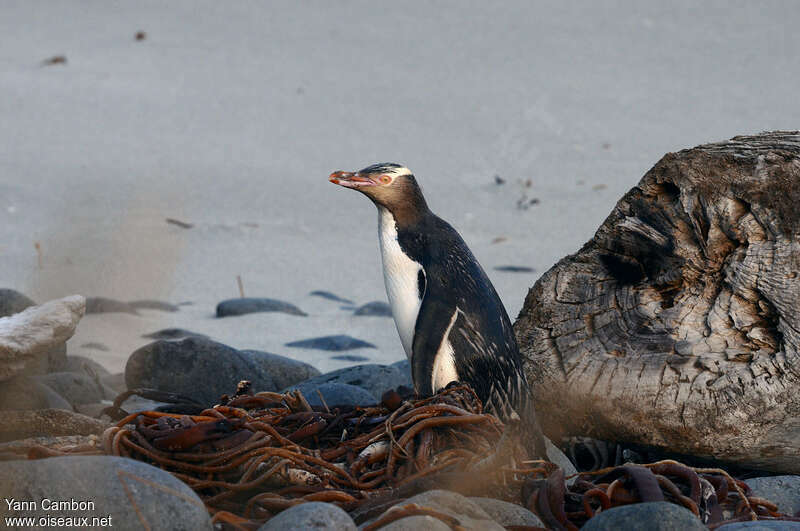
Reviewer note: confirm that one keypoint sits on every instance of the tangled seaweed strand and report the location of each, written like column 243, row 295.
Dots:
column 711, row 494
column 259, row 454
column 255, row 455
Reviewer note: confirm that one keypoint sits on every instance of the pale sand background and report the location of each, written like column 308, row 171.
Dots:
column 233, row 113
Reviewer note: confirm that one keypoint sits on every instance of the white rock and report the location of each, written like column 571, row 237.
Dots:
column 33, row 332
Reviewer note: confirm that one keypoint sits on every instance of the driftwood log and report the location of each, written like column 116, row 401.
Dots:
column 678, row 324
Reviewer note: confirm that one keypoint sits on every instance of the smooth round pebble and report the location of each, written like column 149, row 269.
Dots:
column 507, row 513
column 417, row 523
column 337, row 394
column 373, row 377
column 242, row 306
column 332, row 343
column 774, row 525
column 784, row 491
column 653, row 516
column 133, row 494
column 313, row 516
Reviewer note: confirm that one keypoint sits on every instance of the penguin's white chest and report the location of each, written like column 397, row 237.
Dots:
column 400, row 276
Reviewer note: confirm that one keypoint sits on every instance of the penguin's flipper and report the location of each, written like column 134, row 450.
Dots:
column 433, row 320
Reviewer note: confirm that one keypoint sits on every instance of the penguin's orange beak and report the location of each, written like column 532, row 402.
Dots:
column 349, row 179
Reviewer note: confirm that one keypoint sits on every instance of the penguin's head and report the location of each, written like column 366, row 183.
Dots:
column 388, row 185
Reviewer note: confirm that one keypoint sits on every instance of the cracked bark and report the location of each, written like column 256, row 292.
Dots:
column 678, row 324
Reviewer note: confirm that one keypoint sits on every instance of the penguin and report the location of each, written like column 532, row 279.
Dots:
column 451, row 322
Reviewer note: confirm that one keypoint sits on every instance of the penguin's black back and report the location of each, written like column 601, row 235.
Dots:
column 486, row 351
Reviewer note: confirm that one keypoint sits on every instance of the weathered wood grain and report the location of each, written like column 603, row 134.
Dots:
column 678, row 324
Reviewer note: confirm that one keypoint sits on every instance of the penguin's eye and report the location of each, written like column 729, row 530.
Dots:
column 385, row 179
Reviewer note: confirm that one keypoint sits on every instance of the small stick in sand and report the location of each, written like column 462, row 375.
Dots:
column 38, row 247
column 181, row 224
column 241, row 286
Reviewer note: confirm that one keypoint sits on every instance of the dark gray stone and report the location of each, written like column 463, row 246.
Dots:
column 24, row 392
column 154, row 305
column 764, row 525
column 506, row 513
column 653, row 516
column 374, row 308
column 332, row 343
column 135, row 404
column 330, row 296
column 105, row 305
column 12, row 302
column 115, row 382
column 469, row 513
column 372, row 377
column 197, row 368
column 311, row 516
column 247, row 305
column 283, row 371
column 133, row 494
column 84, row 365
column 514, row 269
column 76, row 387
column 95, row 410
column 417, row 523
column 172, row 333
column 782, row 490
column 57, row 359
column 336, row 394
column 403, row 365
column 349, row 357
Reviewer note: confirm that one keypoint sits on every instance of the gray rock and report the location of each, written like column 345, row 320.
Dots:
column 653, row 516
column 32, row 335
column 12, row 302
column 55, row 359
column 47, row 423
column 94, row 345
column 84, row 365
column 95, row 410
column 514, row 269
column 197, row 368
column 417, row 523
column 24, row 393
column 311, row 516
column 105, row 305
column 154, row 305
column 284, row 371
column 556, row 456
column 374, row 378
column 330, row 296
column 76, row 387
column 172, row 333
column 374, row 308
column 403, row 365
column 764, row 525
column 349, row 357
column 246, row 305
column 334, row 343
column 337, row 394
column 115, row 382
column 506, row 513
column 469, row 513
column 782, row 490
column 133, row 494
column 135, row 404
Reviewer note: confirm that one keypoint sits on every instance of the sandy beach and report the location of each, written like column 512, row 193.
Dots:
column 523, row 122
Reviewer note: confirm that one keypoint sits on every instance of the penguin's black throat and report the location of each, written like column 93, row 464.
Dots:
column 390, row 186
